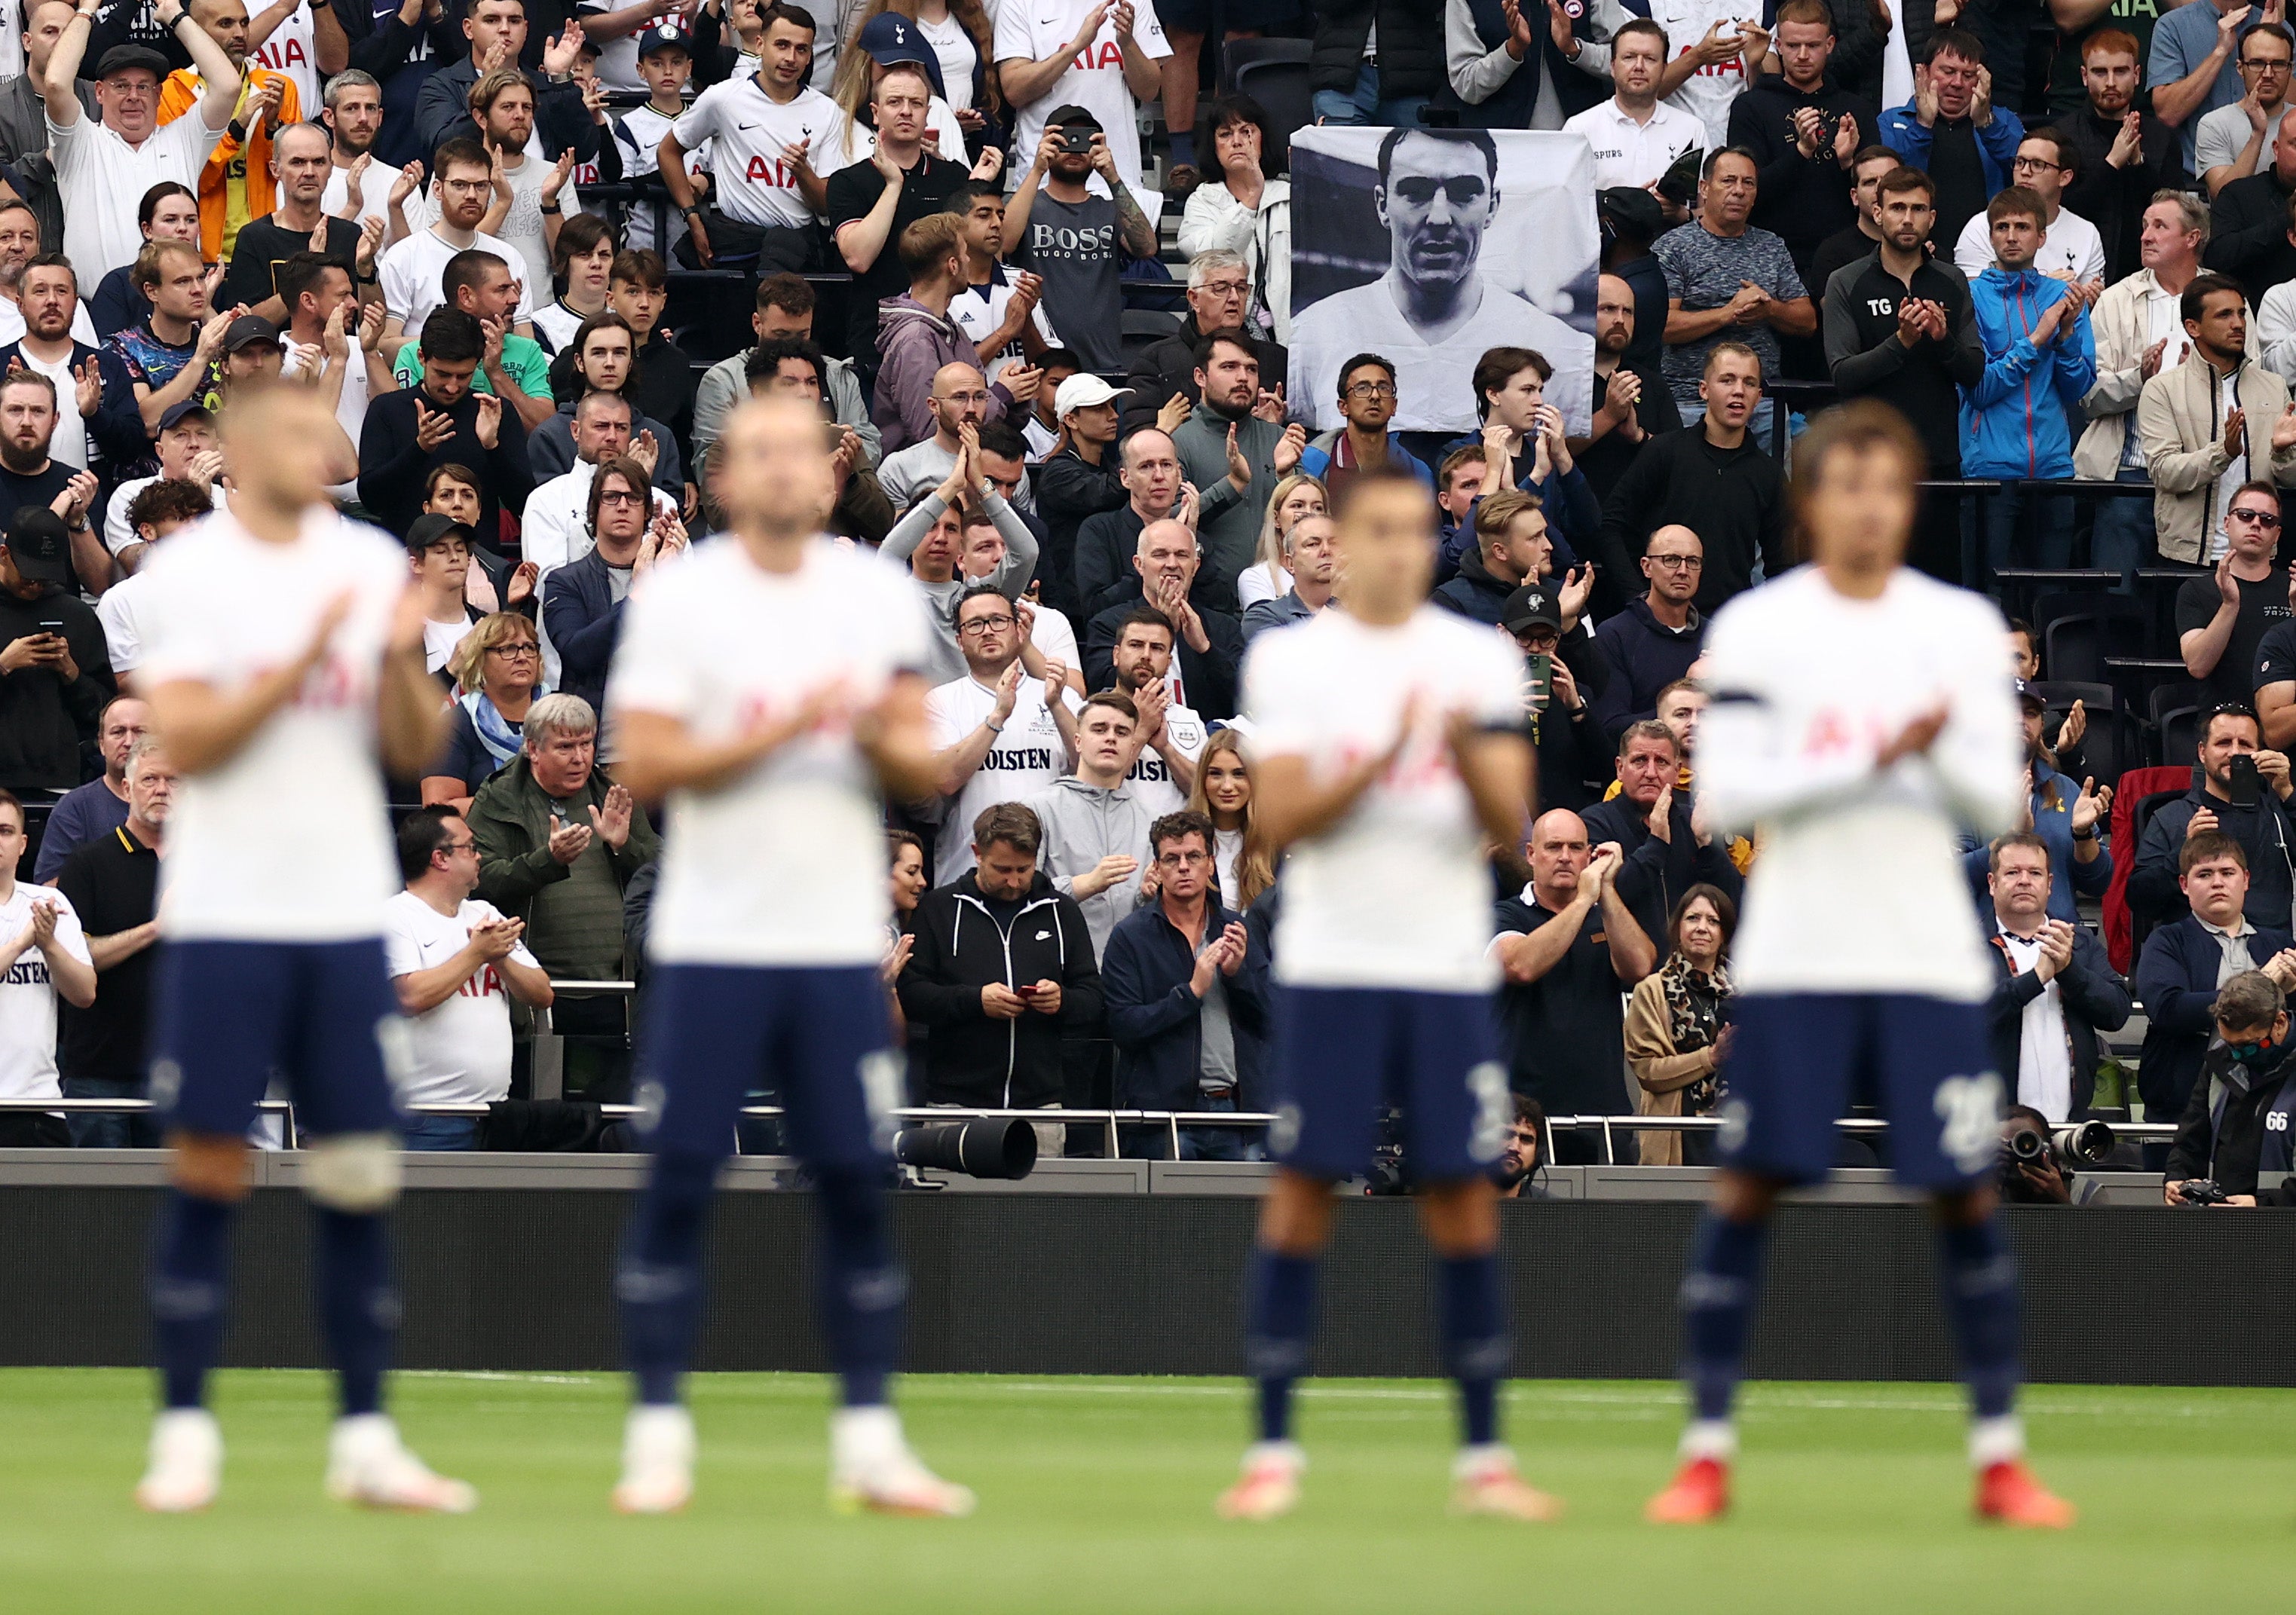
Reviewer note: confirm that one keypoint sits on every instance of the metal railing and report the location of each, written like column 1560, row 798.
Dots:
column 1856, row 1126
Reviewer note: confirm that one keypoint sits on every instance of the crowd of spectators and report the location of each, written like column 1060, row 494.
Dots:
column 468, row 227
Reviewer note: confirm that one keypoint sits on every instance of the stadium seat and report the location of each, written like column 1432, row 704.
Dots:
column 2174, row 717
column 1143, row 328
column 1273, row 72
column 2078, row 631
column 2108, row 747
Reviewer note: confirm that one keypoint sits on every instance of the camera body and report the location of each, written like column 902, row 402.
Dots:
column 2071, row 1147
column 2204, row 1191
column 1076, row 140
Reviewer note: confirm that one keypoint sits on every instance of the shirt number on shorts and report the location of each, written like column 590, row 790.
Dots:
column 1971, row 1108
column 1493, row 1112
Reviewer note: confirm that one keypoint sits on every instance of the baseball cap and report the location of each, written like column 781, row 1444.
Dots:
column 435, row 529
column 1530, row 607
column 1632, row 209
column 248, row 330
column 39, row 545
column 668, row 36
column 176, row 414
column 1084, row 390
column 890, row 37
column 2030, row 696
column 1073, row 116
column 121, row 58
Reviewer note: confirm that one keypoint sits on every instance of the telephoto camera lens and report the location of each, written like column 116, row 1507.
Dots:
column 2083, row 1144
column 2026, row 1146
column 977, row 1149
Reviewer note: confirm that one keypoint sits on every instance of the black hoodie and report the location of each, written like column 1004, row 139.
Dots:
column 2235, row 1127
column 972, row 1058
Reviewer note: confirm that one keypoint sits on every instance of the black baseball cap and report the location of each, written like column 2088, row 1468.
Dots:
column 1074, row 116
column 1630, row 210
column 121, row 58
column 39, row 545
column 435, row 529
column 176, row 413
column 247, row 331
column 1530, row 607
column 2030, row 696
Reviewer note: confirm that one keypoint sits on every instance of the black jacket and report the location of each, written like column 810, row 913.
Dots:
column 1410, row 45
column 2248, row 235
column 2267, row 833
column 44, row 719
column 971, row 1057
column 2235, row 1127
column 1210, row 675
column 1105, row 545
column 1157, row 1021
column 2176, row 978
column 1866, row 356
column 1169, row 367
column 1800, row 199
column 1656, row 874
column 1605, row 460
column 2094, row 999
column 2114, row 200
column 1070, row 490
column 1475, row 594
column 586, row 623
column 392, row 465
column 1732, row 498
column 1645, row 656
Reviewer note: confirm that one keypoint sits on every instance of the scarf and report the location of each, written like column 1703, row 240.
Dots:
column 1694, row 999
column 493, row 730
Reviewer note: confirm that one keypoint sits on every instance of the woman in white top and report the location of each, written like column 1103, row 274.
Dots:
column 962, row 37
column 1247, row 211
column 581, row 257
column 1222, row 793
column 1266, row 578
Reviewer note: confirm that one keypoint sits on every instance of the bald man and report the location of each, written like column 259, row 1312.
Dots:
column 1566, row 972
column 959, row 399
column 1148, row 466
column 1651, row 643
column 1207, row 645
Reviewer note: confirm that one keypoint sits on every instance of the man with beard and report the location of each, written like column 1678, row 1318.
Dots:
column 1517, row 1176
column 413, row 271
column 1900, row 327
column 1725, row 279
column 540, row 190
column 101, row 420
column 1432, row 314
column 300, row 171
column 1632, row 402
column 497, row 32
column 30, row 473
column 1210, row 644
column 1233, row 458
column 1170, row 733
column 2126, row 154
column 357, row 191
column 1220, row 287
column 1078, row 240
column 1712, row 478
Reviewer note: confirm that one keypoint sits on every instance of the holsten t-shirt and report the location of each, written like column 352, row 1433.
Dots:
column 27, row 996
column 290, row 840
column 786, row 865
column 1395, row 894
column 1027, row 756
column 460, row 1048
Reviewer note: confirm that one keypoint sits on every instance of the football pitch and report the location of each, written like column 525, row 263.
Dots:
column 1095, row 1494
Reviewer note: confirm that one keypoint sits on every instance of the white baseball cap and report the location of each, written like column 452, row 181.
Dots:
column 1084, row 390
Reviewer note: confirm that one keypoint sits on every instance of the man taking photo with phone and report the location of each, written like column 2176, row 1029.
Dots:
column 2245, row 792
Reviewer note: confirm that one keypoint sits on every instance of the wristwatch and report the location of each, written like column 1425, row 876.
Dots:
column 549, row 208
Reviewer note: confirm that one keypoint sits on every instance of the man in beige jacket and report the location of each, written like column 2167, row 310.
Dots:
column 2203, row 421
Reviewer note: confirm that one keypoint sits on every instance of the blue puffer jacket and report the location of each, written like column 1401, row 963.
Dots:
column 2017, row 421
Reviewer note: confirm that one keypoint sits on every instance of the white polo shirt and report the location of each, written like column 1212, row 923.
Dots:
column 102, row 178
column 1630, row 153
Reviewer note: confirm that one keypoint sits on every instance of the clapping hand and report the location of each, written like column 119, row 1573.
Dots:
column 568, row 842
column 432, row 427
column 612, row 820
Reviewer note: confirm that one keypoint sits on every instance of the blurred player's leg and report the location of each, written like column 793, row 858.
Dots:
column 189, row 1272
column 1295, row 1224
column 1719, row 1292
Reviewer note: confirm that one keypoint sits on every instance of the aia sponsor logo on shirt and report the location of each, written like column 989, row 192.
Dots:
column 482, row 984
column 279, row 55
column 774, row 171
column 1832, row 731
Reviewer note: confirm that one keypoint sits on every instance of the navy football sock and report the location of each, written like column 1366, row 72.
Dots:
column 1476, row 1347
column 188, row 1274
column 1718, row 1305
column 1979, row 1277
column 658, row 1281
column 1279, row 1320
column 357, row 1304
column 862, row 1287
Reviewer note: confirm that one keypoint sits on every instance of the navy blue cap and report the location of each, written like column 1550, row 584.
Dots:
column 666, row 35
column 890, row 37
column 2030, row 696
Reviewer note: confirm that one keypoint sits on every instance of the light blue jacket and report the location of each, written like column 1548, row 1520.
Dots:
column 2019, row 420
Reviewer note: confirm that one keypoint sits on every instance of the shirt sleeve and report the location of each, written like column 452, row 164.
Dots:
column 940, row 719
column 1011, row 42
column 654, row 669
column 392, row 272
column 1147, row 30
column 402, row 954
column 1782, row 273
column 698, row 121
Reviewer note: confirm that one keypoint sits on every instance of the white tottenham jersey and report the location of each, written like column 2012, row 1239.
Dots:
column 1151, row 778
column 290, row 840
column 786, row 865
column 746, row 130
column 1860, row 888
column 27, row 995
column 1397, row 894
column 460, row 1050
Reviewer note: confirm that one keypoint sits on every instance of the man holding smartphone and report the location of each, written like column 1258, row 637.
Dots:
column 2245, row 792
column 55, row 675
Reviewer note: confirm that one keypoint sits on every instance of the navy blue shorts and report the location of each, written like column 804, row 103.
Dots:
column 1344, row 1054
column 816, row 1035
column 1800, row 1059
column 227, row 1016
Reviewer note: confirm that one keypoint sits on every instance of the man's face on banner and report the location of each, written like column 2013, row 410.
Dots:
column 1437, row 199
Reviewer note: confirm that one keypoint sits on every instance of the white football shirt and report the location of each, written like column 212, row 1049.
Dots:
column 102, row 178
column 1709, row 92
column 410, row 274
column 27, row 995
column 460, row 1049
column 290, row 840
column 293, row 49
column 1397, row 894
column 1860, row 886
column 1027, row 757
column 1034, row 31
column 748, row 130
column 1151, row 777
column 786, row 865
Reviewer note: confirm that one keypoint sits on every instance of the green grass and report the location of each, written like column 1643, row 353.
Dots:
column 1095, row 1496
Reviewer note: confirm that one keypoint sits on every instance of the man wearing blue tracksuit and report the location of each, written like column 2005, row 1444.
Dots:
column 2017, row 422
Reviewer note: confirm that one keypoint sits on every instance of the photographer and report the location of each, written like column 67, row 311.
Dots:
column 2235, row 1134
column 2040, row 1181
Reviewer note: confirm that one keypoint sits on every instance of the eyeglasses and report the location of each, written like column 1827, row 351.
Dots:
column 2264, row 519
column 1460, row 191
column 470, row 846
column 2034, row 164
column 617, row 495
column 1372, row 389
column 1676, row 563
column 1180, row 860
column 515, row 652
column 1225, row 290
column 987, row 625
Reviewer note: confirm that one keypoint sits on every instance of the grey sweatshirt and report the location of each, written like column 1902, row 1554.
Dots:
column 1083, row 824
column 1011, row 576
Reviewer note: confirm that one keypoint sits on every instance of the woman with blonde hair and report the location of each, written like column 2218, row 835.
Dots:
column 1222, row 793
column 1268, row 578
column 1678, row 1026
column 854, row 81
column 497, row 672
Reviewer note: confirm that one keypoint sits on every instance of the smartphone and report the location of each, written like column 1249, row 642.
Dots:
column 1542, row 678
column 53, row 626
column 2244, row 792
column 1076, row 141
